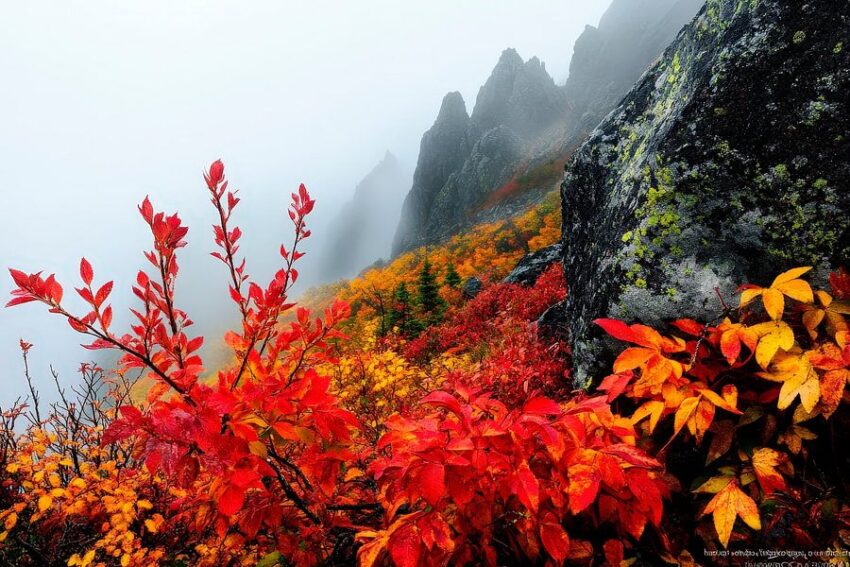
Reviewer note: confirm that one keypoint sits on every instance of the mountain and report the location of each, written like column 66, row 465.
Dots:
column 362, row 231
column 463, row 158
column 523, row 126
column 609, row 58
column 727, row 162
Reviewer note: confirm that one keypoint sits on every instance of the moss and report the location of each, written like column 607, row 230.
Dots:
column 799, row 37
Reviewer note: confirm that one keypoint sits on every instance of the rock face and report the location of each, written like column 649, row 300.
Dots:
column 443, row 150
column 608, row 59
column 365, row 225
column 520, row 95
column 523, row 123
column 532, row 266
column 728, row 162
column 472, row 287
column 463, row 159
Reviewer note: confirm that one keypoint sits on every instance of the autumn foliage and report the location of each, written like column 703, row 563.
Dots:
column 349, row 439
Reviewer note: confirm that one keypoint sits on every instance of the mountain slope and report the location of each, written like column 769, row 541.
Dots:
column 523, row 125
column 365, row 225
column 728, row 161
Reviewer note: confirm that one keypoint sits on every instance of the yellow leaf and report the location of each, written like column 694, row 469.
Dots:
column 353, row 473
column 44, row 502
column 151, row 526
column 653, row 409
column 772, row 336
column 824, row 298
column 727, row 505
column 144, row 505
column 774, row 303
column 714, row 485
column 799, row 379
column 684, row 413
column 795, row 435
column 10, row 522
column 748, row 295
column 799, row 290
column 790, row 275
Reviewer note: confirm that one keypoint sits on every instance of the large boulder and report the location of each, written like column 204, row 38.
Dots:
column 728, row 162
column 532, row 265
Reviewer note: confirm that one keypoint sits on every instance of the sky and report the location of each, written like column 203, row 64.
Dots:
column 105, row 102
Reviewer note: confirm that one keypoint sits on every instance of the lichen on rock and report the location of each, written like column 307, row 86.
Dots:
column 727, row 162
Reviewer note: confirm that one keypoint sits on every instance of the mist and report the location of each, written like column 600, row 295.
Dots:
column 104, row 103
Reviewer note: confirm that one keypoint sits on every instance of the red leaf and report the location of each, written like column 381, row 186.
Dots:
column 615, row 384
column 613, row 552
column 542, row 406
column 617, row 329
column 527, row 488
column 231, row 500
column 432, row 479
column 442, row 399
column 20, row 278
column 554, row 538
column 690, row 327
column 216, row 172
column 20, row 300
column 103, row 293
column 632, row 455
column 86, row 272
column 404, row 547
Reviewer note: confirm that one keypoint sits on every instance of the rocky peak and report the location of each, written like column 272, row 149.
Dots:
column 452, row 111
column 728, row 162
column 443, row 150
column 518, row 94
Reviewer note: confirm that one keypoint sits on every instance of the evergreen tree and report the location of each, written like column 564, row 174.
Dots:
column 429, row 300
column 452, row 277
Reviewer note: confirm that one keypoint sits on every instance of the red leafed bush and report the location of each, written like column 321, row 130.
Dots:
column 256, row 457
column 474, row 481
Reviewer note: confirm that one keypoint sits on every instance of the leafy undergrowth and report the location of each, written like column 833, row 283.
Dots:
column 424, row 428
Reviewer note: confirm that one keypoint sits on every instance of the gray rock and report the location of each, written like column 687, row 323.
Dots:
column 472, row 287
column 714, row 171
column 532, row 265
column 553, row 323
column 443, row 151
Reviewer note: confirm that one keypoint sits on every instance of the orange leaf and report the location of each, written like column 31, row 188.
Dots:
column 765, row 461
column 727, row 505
column 684, row 413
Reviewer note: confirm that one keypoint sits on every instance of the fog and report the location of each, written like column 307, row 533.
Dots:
column 103, row 103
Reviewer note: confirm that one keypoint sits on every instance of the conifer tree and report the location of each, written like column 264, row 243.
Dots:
column 452, row 278
column 429, row 301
